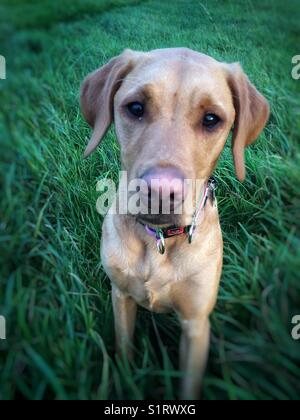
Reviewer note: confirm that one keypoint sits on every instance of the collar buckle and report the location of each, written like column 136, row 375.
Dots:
column 160, row 241
column 191, row 232
column 210, row 189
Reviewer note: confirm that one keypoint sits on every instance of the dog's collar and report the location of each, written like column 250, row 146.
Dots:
column 160, row 234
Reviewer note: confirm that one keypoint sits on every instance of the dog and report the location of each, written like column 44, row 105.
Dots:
column 173, row 110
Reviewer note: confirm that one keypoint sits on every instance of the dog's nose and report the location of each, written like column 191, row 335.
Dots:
column 165, row 188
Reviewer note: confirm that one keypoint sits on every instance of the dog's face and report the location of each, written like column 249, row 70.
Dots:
column 173, row 111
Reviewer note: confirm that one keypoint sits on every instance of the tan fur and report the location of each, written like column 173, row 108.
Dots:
column 179, row 86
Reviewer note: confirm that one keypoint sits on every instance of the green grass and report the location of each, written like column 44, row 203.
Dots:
column 53, row 291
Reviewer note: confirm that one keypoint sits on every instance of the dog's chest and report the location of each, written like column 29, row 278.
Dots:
column 147, row 277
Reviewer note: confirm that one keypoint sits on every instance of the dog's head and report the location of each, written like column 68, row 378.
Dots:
column 173, row 110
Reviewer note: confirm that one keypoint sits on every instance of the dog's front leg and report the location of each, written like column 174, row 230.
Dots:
column 124, row 308
column 193, row 355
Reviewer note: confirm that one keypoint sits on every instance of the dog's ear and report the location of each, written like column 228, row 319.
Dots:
column 252, row 113
column 97, row 95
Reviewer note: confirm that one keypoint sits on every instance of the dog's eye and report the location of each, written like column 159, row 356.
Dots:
column 210, row 120
column 136, row 109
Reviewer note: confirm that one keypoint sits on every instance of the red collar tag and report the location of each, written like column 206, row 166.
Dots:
column 175, row 231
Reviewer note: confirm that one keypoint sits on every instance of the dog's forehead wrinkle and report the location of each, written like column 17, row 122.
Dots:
column 204, row 98
column 158, row 67
column 132, row 81
column 173, row 77
column 181, row 53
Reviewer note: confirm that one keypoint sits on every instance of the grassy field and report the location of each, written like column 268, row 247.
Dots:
column 53, row 292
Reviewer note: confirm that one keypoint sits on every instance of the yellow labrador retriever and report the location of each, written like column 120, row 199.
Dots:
column 173, row 111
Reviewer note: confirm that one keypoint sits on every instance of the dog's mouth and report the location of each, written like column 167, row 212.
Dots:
column 160, row 220
column 157, row 212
